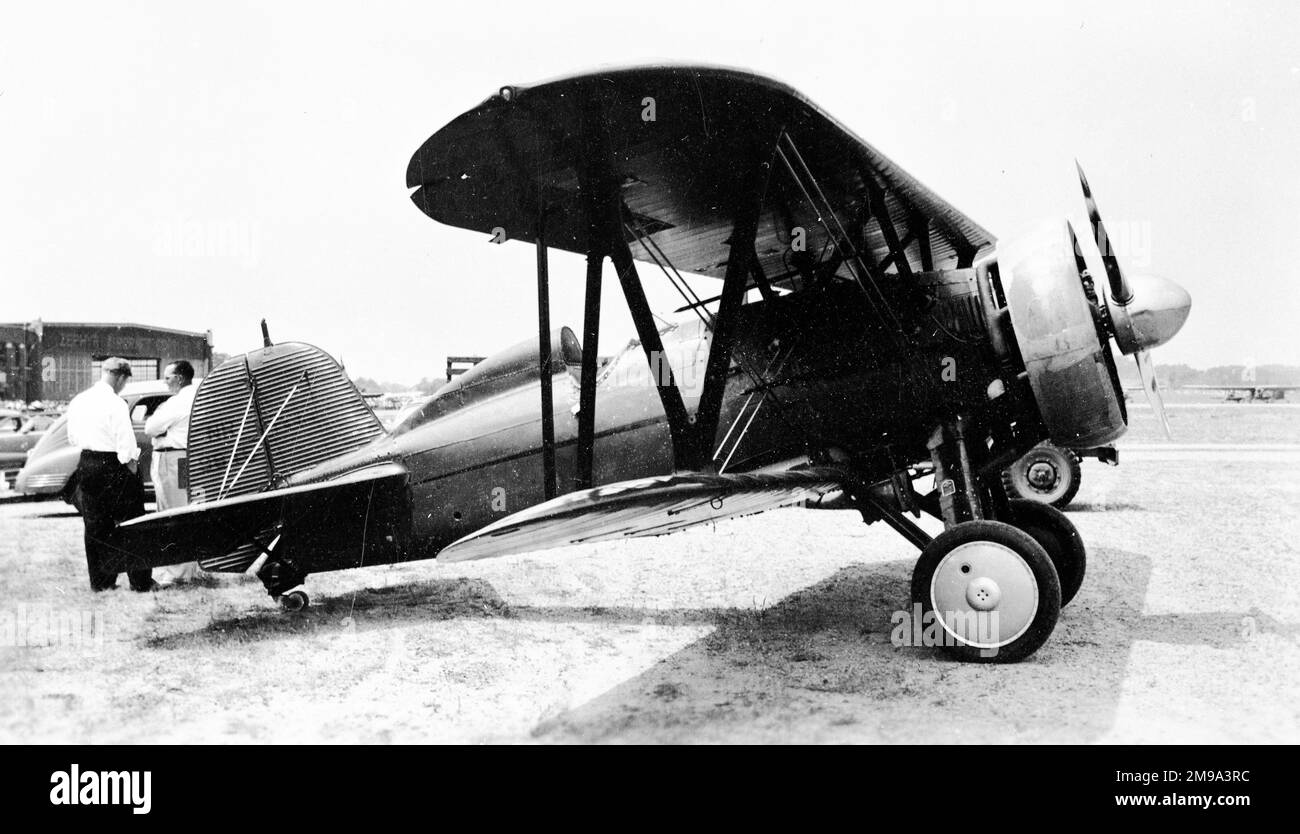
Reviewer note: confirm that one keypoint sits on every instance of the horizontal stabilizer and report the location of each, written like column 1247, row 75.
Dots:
column 216, row 529
column 644, row 507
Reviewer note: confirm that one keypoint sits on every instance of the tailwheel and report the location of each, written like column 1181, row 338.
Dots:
column 1046, row 474
column 992, row 589
column 283, row 580
column 295, row 600
column 1059, row 537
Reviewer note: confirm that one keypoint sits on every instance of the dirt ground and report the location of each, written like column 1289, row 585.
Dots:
column 774, row 628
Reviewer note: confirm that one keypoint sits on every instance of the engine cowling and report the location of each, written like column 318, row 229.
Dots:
column 1065, row 354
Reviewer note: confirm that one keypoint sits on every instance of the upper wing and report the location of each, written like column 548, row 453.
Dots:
column 674, row 133
column 234, row 530
column 645, row 507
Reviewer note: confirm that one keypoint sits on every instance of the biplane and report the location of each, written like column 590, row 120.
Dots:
column 1248, row 392
column 866, row 347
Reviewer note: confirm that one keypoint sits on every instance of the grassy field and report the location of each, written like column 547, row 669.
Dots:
column 768, row 629
column 1204, row 422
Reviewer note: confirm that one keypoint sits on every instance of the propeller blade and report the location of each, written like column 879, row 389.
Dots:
column 1147, row 373
column 1119, row 289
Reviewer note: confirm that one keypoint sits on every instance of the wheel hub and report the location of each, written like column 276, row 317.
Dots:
column 984, row 594
column 1042, row 475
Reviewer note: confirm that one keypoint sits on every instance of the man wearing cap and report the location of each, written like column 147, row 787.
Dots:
column 107, row 485
column 169, row 427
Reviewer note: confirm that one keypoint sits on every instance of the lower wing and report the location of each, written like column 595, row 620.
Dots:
column 644, row 507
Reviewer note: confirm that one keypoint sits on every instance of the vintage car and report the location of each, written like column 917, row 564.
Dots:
column 51, row 464
column 18, row 433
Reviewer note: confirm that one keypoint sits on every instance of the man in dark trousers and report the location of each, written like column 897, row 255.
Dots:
column 107, row 485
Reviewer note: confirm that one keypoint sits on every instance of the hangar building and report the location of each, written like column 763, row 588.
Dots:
column 54, row 361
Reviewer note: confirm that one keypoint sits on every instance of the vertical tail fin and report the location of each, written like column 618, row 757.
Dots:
column 267, row 414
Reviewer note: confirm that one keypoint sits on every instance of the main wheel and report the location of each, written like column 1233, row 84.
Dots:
column 1047, row 474
column 991, row 588
column 1059, row 537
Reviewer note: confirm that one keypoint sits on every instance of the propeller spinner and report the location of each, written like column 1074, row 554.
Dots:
column 1144, row 312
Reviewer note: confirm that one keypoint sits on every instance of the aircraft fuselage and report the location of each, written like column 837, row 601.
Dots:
column 811, row 378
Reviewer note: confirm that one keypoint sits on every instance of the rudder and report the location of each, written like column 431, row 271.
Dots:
column 269, row 413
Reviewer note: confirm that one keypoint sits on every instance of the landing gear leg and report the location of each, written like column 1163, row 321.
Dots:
column 992, row 587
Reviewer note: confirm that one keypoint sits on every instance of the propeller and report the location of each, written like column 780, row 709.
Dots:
column 1119, row 289
column 1144, row 312
column 1147, row 373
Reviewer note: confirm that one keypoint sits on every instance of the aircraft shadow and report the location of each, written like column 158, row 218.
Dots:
column 45, row 509
column 369, row 609
column 1103, row 507
column 820, row 667
column 421, row 602
column 817, row 666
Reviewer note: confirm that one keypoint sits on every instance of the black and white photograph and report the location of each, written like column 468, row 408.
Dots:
column 596, row 373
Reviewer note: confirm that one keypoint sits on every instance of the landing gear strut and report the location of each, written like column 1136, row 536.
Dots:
column 997, row 577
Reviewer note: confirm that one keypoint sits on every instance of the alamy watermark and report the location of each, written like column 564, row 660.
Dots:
column 918, row 628
column 1126, row 239
column 43, row 627
column 232, row 239
column 74, row 786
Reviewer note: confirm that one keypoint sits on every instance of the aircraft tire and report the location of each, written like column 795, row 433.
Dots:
column 978, row 568
column 1046, row 474
column 1052, row 529
column 295, row 601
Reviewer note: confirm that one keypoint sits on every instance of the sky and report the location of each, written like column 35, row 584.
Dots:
column 204, row 166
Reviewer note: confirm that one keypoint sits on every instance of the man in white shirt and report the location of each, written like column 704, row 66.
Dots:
column 108, row 489
column 169, row 427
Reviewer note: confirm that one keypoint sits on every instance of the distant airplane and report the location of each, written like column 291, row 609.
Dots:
column 1247, row 391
